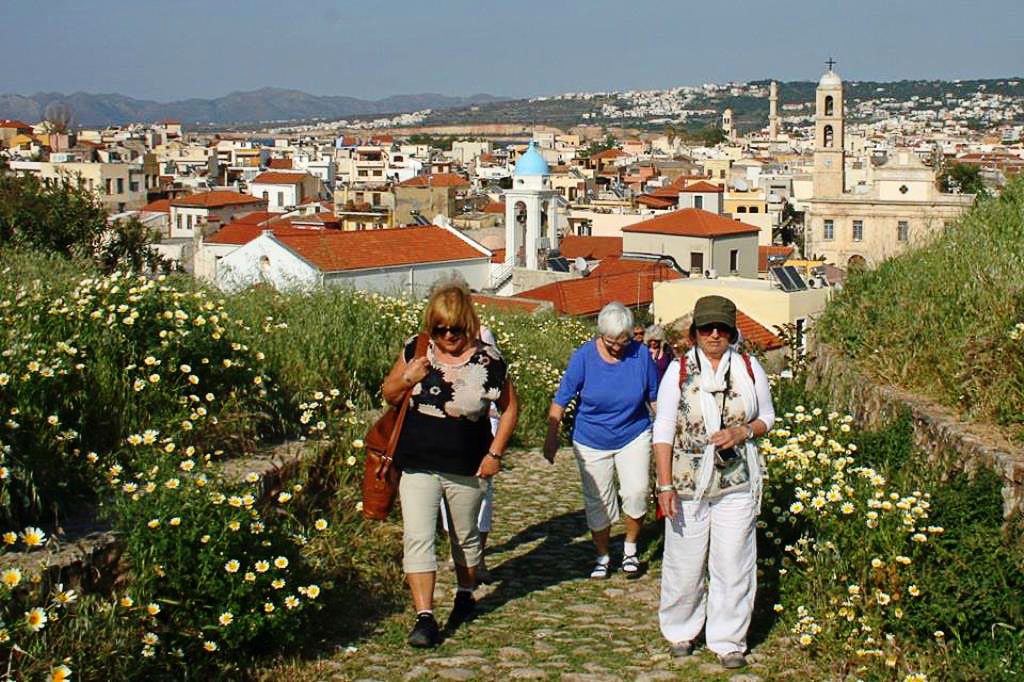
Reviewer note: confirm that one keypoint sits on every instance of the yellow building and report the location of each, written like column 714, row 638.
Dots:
column 898, row 204
column 760, row 299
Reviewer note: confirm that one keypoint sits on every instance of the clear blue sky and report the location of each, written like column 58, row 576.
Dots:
column 175, row 49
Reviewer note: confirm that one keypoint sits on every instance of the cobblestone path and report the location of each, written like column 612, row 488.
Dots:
column 542, row 618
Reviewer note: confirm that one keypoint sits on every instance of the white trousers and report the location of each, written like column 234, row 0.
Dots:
column 715, row 541
column 632, row 463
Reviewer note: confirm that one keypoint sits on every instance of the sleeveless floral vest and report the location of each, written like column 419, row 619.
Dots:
column 691, row 439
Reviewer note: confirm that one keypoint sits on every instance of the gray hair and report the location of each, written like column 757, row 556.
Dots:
column 615, row 320
column 654, row 333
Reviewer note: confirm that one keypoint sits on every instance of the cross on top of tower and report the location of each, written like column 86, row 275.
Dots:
column 830, row 63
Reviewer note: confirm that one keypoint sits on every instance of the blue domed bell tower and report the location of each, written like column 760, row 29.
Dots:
column 531, row 216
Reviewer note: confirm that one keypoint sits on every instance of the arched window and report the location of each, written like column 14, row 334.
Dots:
column 827, row 141
column 753, row 209
column 741, row 209
column 829, row 105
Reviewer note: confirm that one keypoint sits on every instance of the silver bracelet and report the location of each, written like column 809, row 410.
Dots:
column 666, row 488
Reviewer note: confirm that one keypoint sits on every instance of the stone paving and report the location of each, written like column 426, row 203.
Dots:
column 542, row 618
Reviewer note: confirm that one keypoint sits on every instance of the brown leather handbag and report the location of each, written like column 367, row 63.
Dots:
column 380, row 476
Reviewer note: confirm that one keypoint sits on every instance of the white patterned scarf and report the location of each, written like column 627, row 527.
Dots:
column 712, row 382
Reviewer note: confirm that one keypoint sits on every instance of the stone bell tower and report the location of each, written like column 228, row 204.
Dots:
column 829, row 121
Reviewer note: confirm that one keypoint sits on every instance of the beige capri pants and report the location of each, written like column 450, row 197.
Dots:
column 632, row 463
column 421, row 492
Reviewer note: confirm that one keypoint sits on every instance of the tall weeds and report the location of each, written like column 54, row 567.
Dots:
column 941, row 319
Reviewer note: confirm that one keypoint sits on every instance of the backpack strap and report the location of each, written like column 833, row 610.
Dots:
column 750, row 368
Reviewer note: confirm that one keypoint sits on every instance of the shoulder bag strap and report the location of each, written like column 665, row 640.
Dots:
column 421, row 350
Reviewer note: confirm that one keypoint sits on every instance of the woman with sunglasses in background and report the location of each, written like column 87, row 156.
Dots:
column 710, row 412
column 615, row 381
column 446, row 447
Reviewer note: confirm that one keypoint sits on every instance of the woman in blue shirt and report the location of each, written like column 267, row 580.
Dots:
column 615, row 381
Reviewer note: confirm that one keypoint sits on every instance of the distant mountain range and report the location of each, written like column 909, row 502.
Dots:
column 266, row 104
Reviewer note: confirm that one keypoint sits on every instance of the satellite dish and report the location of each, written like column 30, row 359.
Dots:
column 580, row 263
column 740, row 185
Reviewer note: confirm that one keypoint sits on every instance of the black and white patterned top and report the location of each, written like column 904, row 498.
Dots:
column 447, row 428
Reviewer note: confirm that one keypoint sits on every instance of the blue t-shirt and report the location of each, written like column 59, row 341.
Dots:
column 613, row 396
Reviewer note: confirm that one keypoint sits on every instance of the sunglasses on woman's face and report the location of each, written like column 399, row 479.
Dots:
column 440, row 330
column 707, row 329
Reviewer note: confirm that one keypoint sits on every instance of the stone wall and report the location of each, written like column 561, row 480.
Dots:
column 946, row 440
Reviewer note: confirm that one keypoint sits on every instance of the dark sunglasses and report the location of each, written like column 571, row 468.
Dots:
column 706, row 329
column 441, row 330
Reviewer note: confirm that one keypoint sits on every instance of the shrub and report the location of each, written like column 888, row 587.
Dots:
column 942, row 319
column 217, row 569
column 89, row 360
column 878, row 565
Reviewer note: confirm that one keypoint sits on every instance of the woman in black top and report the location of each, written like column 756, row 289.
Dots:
column 446, row 447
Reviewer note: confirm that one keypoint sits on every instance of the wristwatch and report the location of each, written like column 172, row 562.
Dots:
column 750, row 431
column 665, row 487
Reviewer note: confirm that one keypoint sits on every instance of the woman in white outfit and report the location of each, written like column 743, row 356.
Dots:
column 710, row 412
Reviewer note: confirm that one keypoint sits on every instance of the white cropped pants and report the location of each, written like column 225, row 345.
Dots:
column 598, row 469
column 711, row 541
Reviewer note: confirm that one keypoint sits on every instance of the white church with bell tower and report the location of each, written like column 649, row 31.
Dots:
column 896, row 206
column 531, row 216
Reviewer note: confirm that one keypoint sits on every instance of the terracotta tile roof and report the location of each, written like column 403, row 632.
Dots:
column 591, row 248
column 158, row 206
column 243, row 233
column 616, row 265
column 382, row 139
column 691, row 222
column 277, row 178
column 280, row 164
column 332, row 251
column 12, row 123
column 169, row 122
column 507, row 302
column 756, row 333
column 436, row 180
column 499, row 255
column 256, row 217
column 672, row 190
column 701, row 186
column 216, row 198
column 609, row 154
column 657, row 202
column 586, row 296
column 773, row 252
column 495, row 207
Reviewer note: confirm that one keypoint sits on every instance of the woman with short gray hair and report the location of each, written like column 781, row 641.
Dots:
column 615, row 381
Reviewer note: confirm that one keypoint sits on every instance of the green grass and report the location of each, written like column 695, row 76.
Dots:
column 939, row 319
